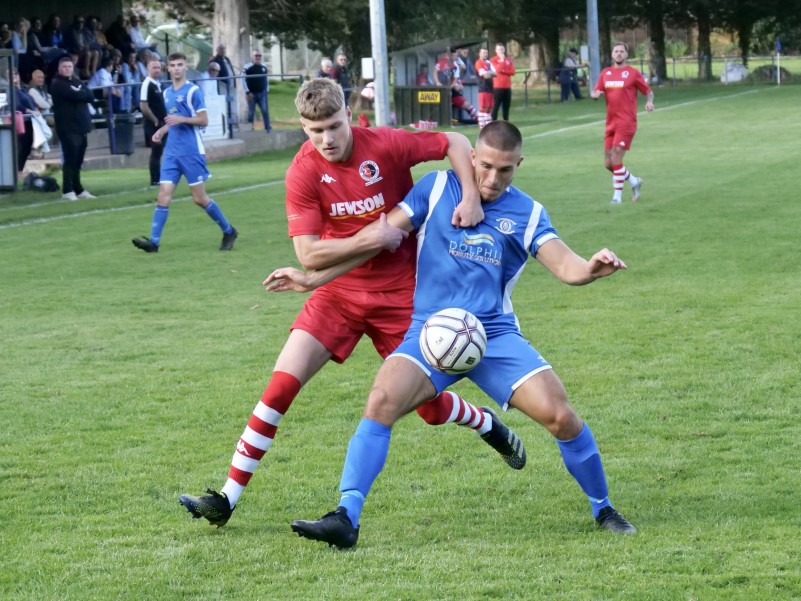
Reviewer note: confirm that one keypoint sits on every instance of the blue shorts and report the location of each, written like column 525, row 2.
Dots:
column 192, row 167
column 509, row 361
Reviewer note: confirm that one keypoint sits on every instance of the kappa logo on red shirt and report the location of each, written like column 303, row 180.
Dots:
column 327, row 179
column 370, row 173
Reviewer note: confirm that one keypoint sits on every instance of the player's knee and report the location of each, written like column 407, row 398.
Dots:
column 383, row 407
column 564, row 424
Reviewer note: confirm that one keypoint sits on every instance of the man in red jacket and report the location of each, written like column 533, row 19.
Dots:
column 502, row 86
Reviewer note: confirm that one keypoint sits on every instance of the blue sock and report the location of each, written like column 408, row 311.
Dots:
column 157, row 226
column 213, row 211
column 583, row 461
column 367, row 453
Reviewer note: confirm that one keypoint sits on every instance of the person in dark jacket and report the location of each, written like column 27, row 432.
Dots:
column 73, row 123
column 27, row 107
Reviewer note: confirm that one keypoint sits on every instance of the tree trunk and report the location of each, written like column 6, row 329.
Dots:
column 744, row 40
column 657, row 60
column 231, row 26
column 704, row 43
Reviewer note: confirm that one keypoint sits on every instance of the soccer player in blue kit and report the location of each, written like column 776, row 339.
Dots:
column 474, row 269
column 184, row 155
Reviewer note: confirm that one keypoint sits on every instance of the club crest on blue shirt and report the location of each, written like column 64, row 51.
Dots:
column 505, row 225
column 179, row 98
column 369, row 172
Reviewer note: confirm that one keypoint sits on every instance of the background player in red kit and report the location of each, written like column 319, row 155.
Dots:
column 620, row 84
column 486, row 73
column 340, row 180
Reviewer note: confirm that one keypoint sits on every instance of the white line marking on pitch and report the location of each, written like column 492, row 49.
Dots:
column 38, row 220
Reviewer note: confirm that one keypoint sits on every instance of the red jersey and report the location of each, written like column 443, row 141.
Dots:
column 336, row 200
column 505, row 68
column 483, row 66
column 620, row 86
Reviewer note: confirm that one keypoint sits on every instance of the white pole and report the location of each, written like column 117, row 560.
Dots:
column 778, row 68
column 378, row 34
column 592, row 39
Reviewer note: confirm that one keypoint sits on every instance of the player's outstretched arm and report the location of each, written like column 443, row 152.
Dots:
column 560, row 260
column 469, row 212
column 291, row 279
column 315, row 253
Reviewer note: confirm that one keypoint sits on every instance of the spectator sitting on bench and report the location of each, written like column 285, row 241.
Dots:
column 102, row 84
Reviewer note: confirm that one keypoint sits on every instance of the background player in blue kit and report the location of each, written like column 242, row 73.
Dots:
column 475, row 269
column 184, row 155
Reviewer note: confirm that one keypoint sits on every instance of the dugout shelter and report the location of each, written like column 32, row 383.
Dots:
column 430, row 103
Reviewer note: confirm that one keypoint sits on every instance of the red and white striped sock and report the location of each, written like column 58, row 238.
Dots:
column 259, row 433
column 619, row 175
column 483, row 118
column 450, row 407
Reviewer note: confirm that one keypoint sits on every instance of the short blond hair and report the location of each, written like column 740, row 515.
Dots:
column 319, row 99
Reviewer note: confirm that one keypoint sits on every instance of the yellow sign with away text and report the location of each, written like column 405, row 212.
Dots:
column 428, row 97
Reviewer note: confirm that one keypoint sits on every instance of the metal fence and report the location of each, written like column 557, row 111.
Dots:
column 761, row 70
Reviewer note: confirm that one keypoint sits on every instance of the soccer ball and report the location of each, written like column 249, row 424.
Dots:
column 453, row 341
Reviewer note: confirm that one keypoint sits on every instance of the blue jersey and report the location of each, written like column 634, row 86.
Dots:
column 186, row 101
column 473, row 268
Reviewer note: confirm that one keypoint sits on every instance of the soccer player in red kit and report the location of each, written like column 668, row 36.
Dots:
column 340, row 180
column 486, row 98
column 620, row 84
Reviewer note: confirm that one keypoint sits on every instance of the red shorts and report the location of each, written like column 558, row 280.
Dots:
column 620, row 136
column 486, row 100
column 459, row 101
column 339, row 319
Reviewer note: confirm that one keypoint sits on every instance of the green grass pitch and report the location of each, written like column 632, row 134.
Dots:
column 127, row 379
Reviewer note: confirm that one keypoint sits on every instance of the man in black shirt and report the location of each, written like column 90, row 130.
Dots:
column 73, row 122
column 151, row 103
column 256, row 88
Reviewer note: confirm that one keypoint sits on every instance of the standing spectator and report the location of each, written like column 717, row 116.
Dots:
column 486, row 73
column 341, row 74
column 27, row 107
column 257, row 88
column 208, row 82
column 129, row 75
column 184, row 156
column 568, row 76
column 502, row 86
column 227, row 80
column 226, row 69
column 325, row 69
column 620, row 84
column 71, row 100
column 151, row 103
